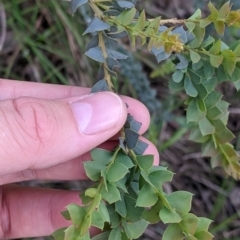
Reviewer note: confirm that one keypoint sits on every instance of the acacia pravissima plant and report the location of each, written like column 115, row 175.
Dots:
column 128, row 192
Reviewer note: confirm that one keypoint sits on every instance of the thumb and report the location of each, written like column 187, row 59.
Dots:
column 37, row 133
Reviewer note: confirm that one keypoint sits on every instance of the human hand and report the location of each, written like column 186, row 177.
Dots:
column 46, row 132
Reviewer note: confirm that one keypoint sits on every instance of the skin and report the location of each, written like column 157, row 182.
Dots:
column 26, row 155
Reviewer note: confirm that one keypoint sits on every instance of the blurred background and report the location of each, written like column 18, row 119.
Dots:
column 41, row 42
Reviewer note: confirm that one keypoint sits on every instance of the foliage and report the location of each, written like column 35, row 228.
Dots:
column 128, row 193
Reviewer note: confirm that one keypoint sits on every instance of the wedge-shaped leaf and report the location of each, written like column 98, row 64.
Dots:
column 112, row 195
column 152, row 215
column 140, row 24
column 147, row 196
column 209, row 149
column 132, row 124
column 115, row 234
column 224, row 136
column 235, row 75
column 212, row 99
column 195, row 57
column 204, row 235
column 136, row 229
column 189, row 87
column 208, row 71
column 206, row 127
column 97, row 25
column 180, row 201
column 97, row 220
column 115, row 54
column 100, row 86
column 216, row 48
column 140, row 148
column 219, row 26
column 120, row 207
column 216, row 60
column 93, row 169
column 196, row 136
column 93, row 43
column 173, row 231
column 102, row 236
column 178, row 76
column 59, row 234
column 124, row 159
column 229, row 62
column 101, row 155
column 104, row 212
column 190, row 223
column 199, row 34
column 76, row 213
column 77, row 3
column 168, row 216
column 205, row 22
column 127, row 16
column 131, row 138
column 210, row 84
column 214, row 113
column 203, row 224
column 183, row 63
column 159, row 177
column 114, row 216
column 125, row 4
column 175, row 86
column 72, row 233
column 116, row 172
column 91, row 192
column 145, row 161
column 95, row 54
column 190, row 26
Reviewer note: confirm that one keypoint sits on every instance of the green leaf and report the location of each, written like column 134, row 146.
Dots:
column 203, row 224
column 96, row 25
column 116, row 172
column 222, row 76
column 199, row 34
column 125, row 4
column 136, row 229
column 212, row 99
column 115, row 234
column 101, row 155
column 100, row 86
column 76, row 213
column 72, row 233
column 66, row 215
column 205, row 22
column 190, row 223
column 214, row 113
column 152, row 215
column 159, row 177
column 237, row 85
column 104, row 212
column 59, row 234
column 101, row 236
column 208, row 71
column 124, row 159
column 194, row 113
column 206, row 127
column 126, row 17
column 147, row 196
column 229, row 61
column 216, row 60
column 224, row 136
column 210, row 84
column 224, row 10
column 209, row 149
column 114, row 216
column 140, row 22
column 93, row 169
column 216, row 48
column 77, row 3
column 219, row 26
column 196, row 136
column 178, row 76
column 97, row 220
column 189, row 87
column 235, row 75
column 112, row 195
column 173, row 231
column 195, row 57
column 175, row 86
column 180, row 201
column 190, row 26
column 237, row 50
column 168, row 216
column 204, row 235
column 213, row 11
column 145, row 161
column 120, row 207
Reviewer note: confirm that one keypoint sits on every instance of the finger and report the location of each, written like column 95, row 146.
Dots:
column 32, row 212
column 38, row 133
column 72, row 170
column 11, row 89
